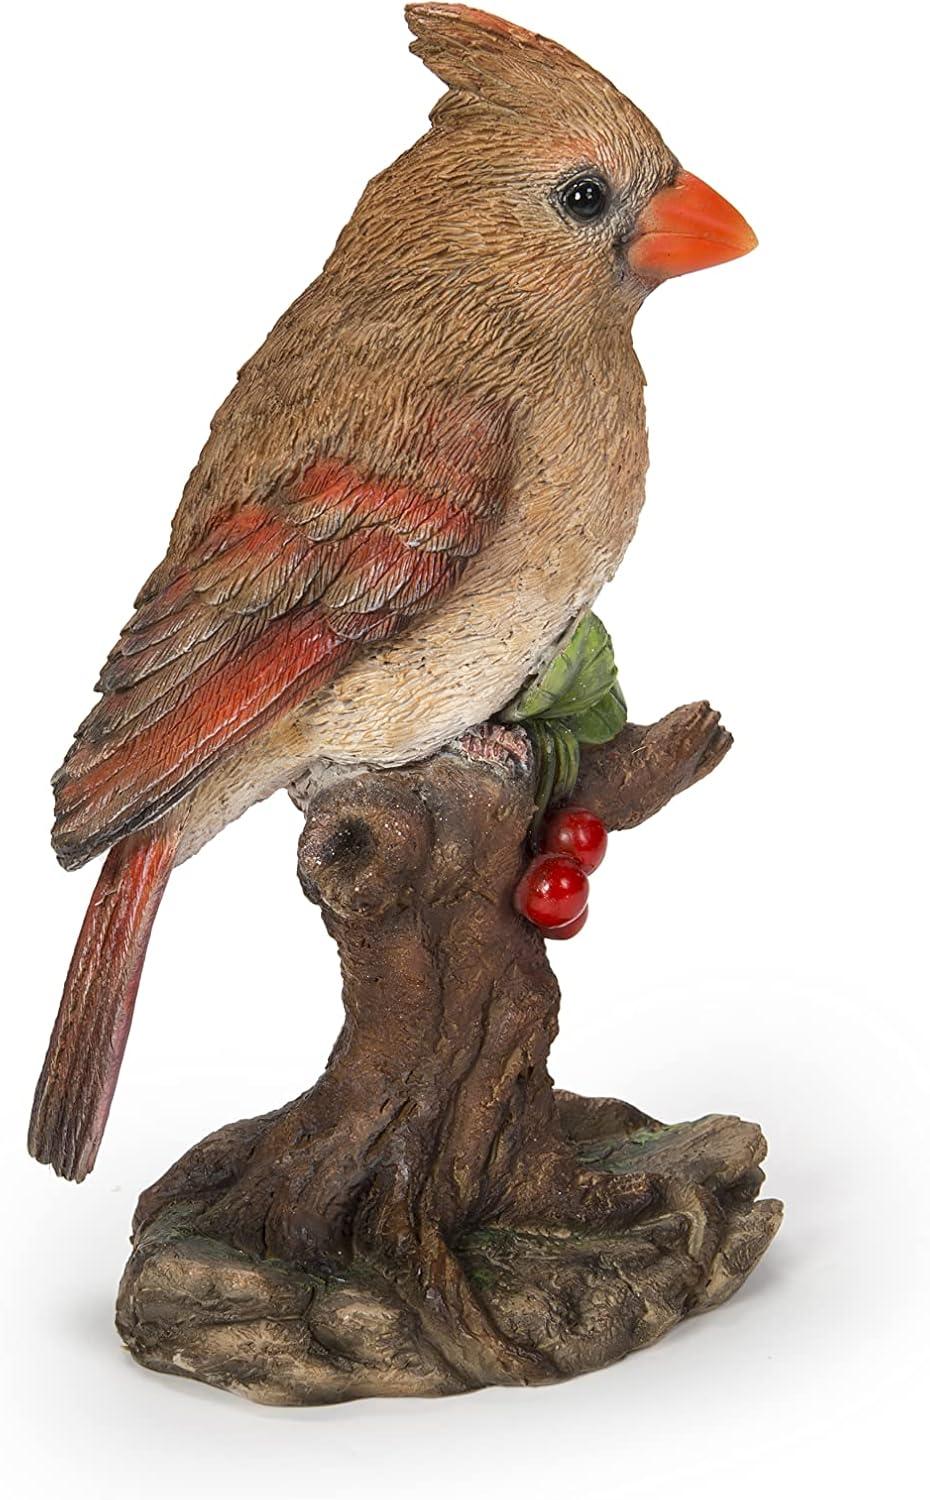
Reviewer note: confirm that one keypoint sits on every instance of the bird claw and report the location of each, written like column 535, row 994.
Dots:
column 504, row 745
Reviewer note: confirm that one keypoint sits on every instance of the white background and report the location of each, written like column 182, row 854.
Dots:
column 175, row 174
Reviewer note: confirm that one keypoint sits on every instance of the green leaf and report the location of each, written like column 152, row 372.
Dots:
column 575, row 680
column 602, row 721
column 576, row 701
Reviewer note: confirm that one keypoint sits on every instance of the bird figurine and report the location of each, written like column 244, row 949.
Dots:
column 418, row 483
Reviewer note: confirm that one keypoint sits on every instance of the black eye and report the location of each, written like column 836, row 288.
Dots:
column 585, row 198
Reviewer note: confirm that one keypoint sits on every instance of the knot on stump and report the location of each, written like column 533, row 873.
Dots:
column 423, row 835
column 367, row 842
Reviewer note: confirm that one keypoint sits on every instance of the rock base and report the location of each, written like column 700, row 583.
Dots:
column 192, row 1304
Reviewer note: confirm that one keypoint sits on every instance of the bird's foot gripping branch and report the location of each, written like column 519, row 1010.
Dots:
column 433, row 1215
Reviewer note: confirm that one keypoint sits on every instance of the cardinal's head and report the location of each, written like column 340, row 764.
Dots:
column 537, row 175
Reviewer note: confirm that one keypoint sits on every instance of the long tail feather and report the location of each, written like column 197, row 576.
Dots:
column 77, row 1082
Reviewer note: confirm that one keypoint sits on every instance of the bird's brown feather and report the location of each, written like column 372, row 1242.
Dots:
column 265, row 609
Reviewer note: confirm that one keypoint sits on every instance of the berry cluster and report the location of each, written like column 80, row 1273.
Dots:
column 553, row 893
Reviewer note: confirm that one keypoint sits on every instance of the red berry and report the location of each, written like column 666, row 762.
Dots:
column 568, row 929
column 553, row 891
column 579, row 833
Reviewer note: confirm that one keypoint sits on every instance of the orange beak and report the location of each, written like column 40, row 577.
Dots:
column 687, row 227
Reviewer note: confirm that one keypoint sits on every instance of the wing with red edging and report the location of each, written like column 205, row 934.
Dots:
column 264, row 610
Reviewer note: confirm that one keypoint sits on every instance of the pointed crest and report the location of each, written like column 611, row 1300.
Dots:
column 484, row 57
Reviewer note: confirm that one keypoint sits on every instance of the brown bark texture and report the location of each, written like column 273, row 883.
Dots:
column 433, row 1216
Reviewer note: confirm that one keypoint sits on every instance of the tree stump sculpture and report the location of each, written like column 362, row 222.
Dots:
column 433, row 1216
